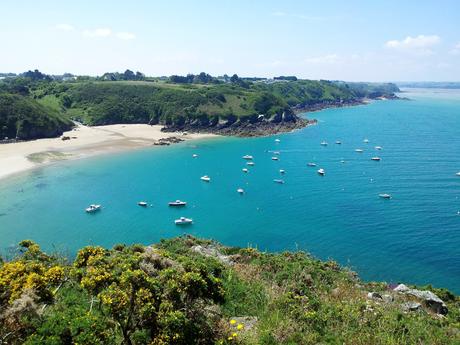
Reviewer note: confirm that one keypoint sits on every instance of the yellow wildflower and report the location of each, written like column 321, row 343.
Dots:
column 234, row 335
column 232, row 322
column 239, row 327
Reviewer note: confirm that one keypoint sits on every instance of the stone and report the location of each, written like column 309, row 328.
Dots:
column 212, row 251
column 430, row 300
column 411, row 306
column 374, row 295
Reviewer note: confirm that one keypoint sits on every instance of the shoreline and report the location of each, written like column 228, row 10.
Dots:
column 83, row 142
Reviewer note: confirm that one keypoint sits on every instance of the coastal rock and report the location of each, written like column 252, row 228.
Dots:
column 248, row 322
column 429, row 299
column 411, row 306
column 212, row 251
column 374, row 295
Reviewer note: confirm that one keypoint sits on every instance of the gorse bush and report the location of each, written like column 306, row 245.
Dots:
column 190, row 291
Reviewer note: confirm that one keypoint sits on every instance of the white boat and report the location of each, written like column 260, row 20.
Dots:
column 359, row 150
column 276, row 152
column 375, row 158
column 142, row 203
column 278, row 181
column 277, row 140
column 194, row 155
column 240, row 190
column 248, row 157
column 378, row 147
column 458, row 174
column 205, row 178
column 245, row 170
column 321, row 171
column 385, row 196
column 282, row 171
column 365, row 141
column 342, row 161
column 311, row 164
column 93, row 208
column 323, row 143
column 183, row 221
column 250, row 163
column 274, row 158
column 177, row 203
column 338, row 142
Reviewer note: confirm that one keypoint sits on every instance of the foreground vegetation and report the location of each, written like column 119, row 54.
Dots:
column 194, row 102
column 191, row 291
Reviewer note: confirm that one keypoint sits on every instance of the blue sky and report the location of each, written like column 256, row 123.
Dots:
column 347, row 40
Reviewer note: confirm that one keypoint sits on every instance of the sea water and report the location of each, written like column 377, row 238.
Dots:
column 414, row 237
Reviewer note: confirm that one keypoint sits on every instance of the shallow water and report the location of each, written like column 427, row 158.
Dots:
column 414, row 237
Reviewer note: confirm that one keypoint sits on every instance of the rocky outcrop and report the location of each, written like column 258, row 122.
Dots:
column 246, row 127
column 428, row 298
column 212, row 251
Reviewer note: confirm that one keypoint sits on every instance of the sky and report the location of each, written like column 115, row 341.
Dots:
column 340, row 40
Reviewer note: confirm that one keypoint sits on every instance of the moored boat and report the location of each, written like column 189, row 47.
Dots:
column 240, row 190
column 277, row 140
column 321, row 172
column 142, row 203
column 177, row 203
column 245, row 170
column 366, row 141
column 250, row 163
column 324, row 143
column 248, row 157
column 338, row 142
column 183, row 221
column 378, row 147
column 205, row 178
column 278, row 181
column 194, row 155
column 375, row 158
column 93, row 208
column 359, row 150
column 282, row 171
column 311, row 164
column 385, row 196
column 274, row 158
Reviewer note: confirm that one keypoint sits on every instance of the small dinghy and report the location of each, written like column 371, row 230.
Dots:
column 248, row 157
column 245, row 170
column 323, row 143
column 321, row 172
column 274, row 158
column 142, row 203
column 385, row 196
column 250, row 163
column 376, row 159
column 205, row 178
column 278, row 181
column 311, row 164
column 240, row 190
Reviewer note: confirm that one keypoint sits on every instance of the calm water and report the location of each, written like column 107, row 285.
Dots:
column 414, row 237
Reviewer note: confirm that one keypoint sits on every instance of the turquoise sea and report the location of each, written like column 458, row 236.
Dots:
column 413, row 238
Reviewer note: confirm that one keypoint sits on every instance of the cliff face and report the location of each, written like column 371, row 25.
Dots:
column 257, row 125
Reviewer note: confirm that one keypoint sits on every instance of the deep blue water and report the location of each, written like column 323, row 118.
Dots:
column 414, row 237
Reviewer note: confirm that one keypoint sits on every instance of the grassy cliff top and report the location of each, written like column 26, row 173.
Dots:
column 191, row 291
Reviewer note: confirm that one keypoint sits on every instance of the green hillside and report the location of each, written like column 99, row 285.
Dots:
column 186, row 291
column 24, row 118
column 201, row 102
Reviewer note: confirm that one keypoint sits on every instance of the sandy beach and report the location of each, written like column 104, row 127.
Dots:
column 84, row 142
